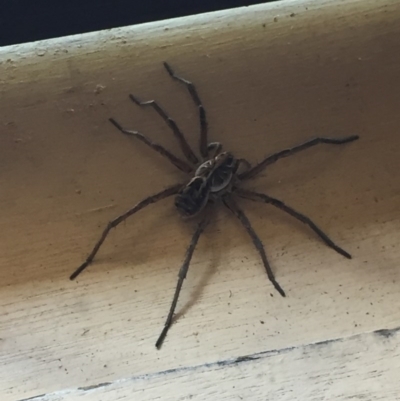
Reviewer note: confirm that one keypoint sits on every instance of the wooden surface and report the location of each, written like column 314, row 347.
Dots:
column 270, row 76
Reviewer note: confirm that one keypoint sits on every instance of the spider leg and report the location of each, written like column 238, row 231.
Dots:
column 181, row 276
column 202, row 113
column 113, row 223
column 180, row 164
column 301, row 217
column 243, row 162
column 234, row 208
column 291, row 151
column 214, row 147
column 187, row 151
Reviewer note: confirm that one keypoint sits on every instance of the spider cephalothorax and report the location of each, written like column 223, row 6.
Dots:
column 211, row 180
column 215, row 176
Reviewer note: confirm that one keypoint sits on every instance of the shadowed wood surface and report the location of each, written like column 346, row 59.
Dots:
column 270, row 77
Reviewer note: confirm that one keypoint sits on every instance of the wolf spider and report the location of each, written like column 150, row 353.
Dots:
column 214, row 176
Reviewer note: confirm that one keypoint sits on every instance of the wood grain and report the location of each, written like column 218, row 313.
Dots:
column 270, row 76
column 368, row 369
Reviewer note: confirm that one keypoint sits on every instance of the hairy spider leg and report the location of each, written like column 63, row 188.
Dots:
column 113, row 223
column 230, row 203
column 255, row 196
column 291, row 151
column 186, row 149
column 180, row 164
column 181, row 277
column 202, row 113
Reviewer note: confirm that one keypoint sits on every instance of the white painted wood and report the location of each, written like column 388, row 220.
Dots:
column 363, row 367
column 270, row 76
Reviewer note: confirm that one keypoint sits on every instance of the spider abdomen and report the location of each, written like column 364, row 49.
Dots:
column 193, row 197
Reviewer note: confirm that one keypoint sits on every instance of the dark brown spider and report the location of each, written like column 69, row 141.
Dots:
column 213, row 177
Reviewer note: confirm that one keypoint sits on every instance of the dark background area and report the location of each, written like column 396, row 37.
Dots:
column 29, row 20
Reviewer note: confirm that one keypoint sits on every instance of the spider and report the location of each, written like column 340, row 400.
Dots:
column 213, row 177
